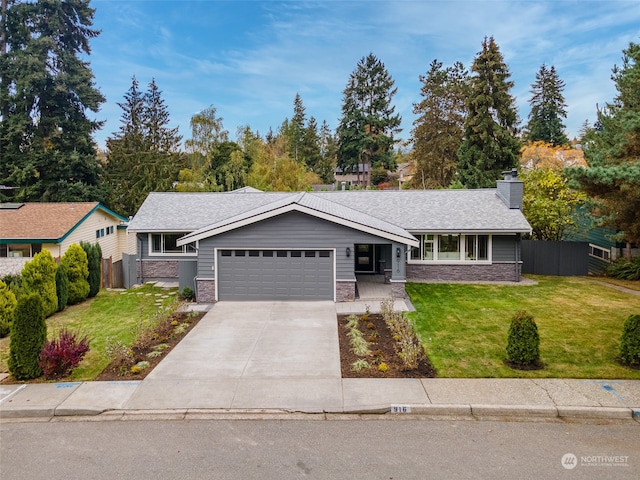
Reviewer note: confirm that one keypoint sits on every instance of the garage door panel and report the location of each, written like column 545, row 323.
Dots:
column 278, row 275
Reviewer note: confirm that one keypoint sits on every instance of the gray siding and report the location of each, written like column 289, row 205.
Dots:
column 289, row 230
column 504, row 247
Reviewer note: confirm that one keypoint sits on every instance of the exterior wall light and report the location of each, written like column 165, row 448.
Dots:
column 348, row 252
column 398, row 252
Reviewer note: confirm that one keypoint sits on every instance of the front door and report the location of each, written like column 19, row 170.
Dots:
column 365, row 256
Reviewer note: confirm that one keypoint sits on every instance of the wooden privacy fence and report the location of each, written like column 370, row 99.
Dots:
column 112, row 275
column 565, row 259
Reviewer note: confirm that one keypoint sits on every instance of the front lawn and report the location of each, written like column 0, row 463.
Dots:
column 112, row 314
column 464, row 327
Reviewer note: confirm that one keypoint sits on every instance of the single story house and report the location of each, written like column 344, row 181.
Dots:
column 312, row 245
column 28, row 228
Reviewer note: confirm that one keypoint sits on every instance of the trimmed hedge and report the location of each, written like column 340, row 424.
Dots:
column 77, row 266
column 523, row 344
column 630, row 341
column 39, row 276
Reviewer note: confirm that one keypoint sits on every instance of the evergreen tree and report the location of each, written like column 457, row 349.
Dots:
column 46, row 91
column 612, row 152
column 143, row 156
column 311, row 147
column 39, row 277
column 28, row 334
column 62, row 287
column 296, row 131
column 439, row 128
column 94, row 263
column 490, row 145
column 328, row 152
column 548, row 108
column 77, row 267
column 368, row 124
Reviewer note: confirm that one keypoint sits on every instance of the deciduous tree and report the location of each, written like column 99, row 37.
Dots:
column 490, row 145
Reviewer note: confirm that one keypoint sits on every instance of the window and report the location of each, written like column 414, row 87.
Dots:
column 599, row 252
column 267, row 253
column 477, row 247
column 309, row 253
column 296, row 253
column 225, row 253
column 282, row 253
column 166, row 244
column 254, row 253
column 451, row 248
column 324, row 254
column 110, row 230
column 21, row 250
column 239, row 253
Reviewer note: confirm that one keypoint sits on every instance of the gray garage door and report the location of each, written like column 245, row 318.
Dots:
column 275, row 275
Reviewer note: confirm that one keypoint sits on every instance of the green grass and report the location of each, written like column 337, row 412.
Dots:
column 464, row 327
column 110, row 314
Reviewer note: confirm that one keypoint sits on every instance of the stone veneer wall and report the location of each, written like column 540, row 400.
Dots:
column 345, row 291
column 12, row 265
column 497, row 272
column 397, row 289
column 205, row 290
column 148, row 269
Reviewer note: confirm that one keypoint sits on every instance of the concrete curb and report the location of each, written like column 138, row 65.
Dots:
column 478, row 411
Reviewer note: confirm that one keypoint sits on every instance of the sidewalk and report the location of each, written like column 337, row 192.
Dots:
column 443, row 398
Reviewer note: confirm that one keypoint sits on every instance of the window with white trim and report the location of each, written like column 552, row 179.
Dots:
column 599, row 252
column 451, row 248
column 166, row 244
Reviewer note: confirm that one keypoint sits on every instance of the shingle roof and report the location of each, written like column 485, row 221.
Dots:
column 410, row 210
column 42, row 221
column 311, row 204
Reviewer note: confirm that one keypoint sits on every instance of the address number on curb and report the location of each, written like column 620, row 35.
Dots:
column 400, row 409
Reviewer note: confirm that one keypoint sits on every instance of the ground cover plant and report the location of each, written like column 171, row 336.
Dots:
column 109, row 315
column 465, row 327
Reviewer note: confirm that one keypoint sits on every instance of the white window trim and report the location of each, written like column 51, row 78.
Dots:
column 606, row 251
column 184, row 253
column 463, row 251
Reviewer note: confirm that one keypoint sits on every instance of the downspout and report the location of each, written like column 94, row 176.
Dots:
column 517, row 257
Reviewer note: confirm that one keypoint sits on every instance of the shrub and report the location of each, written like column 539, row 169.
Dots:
column 523, row 344
column 77, row 265
column 403, row 331
column 94, row 263
column 625, row 269
column 62, row 287
column 61, row 355
column 630, row 341
column 14, row 282
column 28, row 334
column 8, row 304
column 39, row 277
column 187, row 294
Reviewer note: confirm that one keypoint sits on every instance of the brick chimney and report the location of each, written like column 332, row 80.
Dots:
column 510, row 189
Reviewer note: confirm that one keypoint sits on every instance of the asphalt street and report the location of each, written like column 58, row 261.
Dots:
column 341, row 447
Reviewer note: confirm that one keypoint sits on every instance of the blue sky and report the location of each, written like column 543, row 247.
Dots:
column 249, row 58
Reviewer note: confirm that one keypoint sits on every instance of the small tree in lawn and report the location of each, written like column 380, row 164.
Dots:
column 523, row 345
column 8, row 304
column 77, row 266
column 630, row 341
column 94, row 258
column 62, row 287
column 39, row 277
column 28, row 334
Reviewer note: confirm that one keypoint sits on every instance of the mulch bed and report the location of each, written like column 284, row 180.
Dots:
column 383, row 347
column 164, row 333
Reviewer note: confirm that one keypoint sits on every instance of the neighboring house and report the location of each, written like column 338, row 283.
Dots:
column 405, row 173
column 352, row 176
column 28, row 228
column 252, row 246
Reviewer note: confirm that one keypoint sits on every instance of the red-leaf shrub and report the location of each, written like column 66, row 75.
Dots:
column 61, row 355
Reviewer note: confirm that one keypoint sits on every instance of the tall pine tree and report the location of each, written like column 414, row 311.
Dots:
column 46, row 92
column 143, row 156
column 548, row 108
column 438, row 131
column 368, row 124
column 490, row 145
column 296, row 130
column 612, row 152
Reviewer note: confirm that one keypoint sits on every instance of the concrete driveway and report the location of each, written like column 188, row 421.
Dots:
column 251, row 355
column 258, row 340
